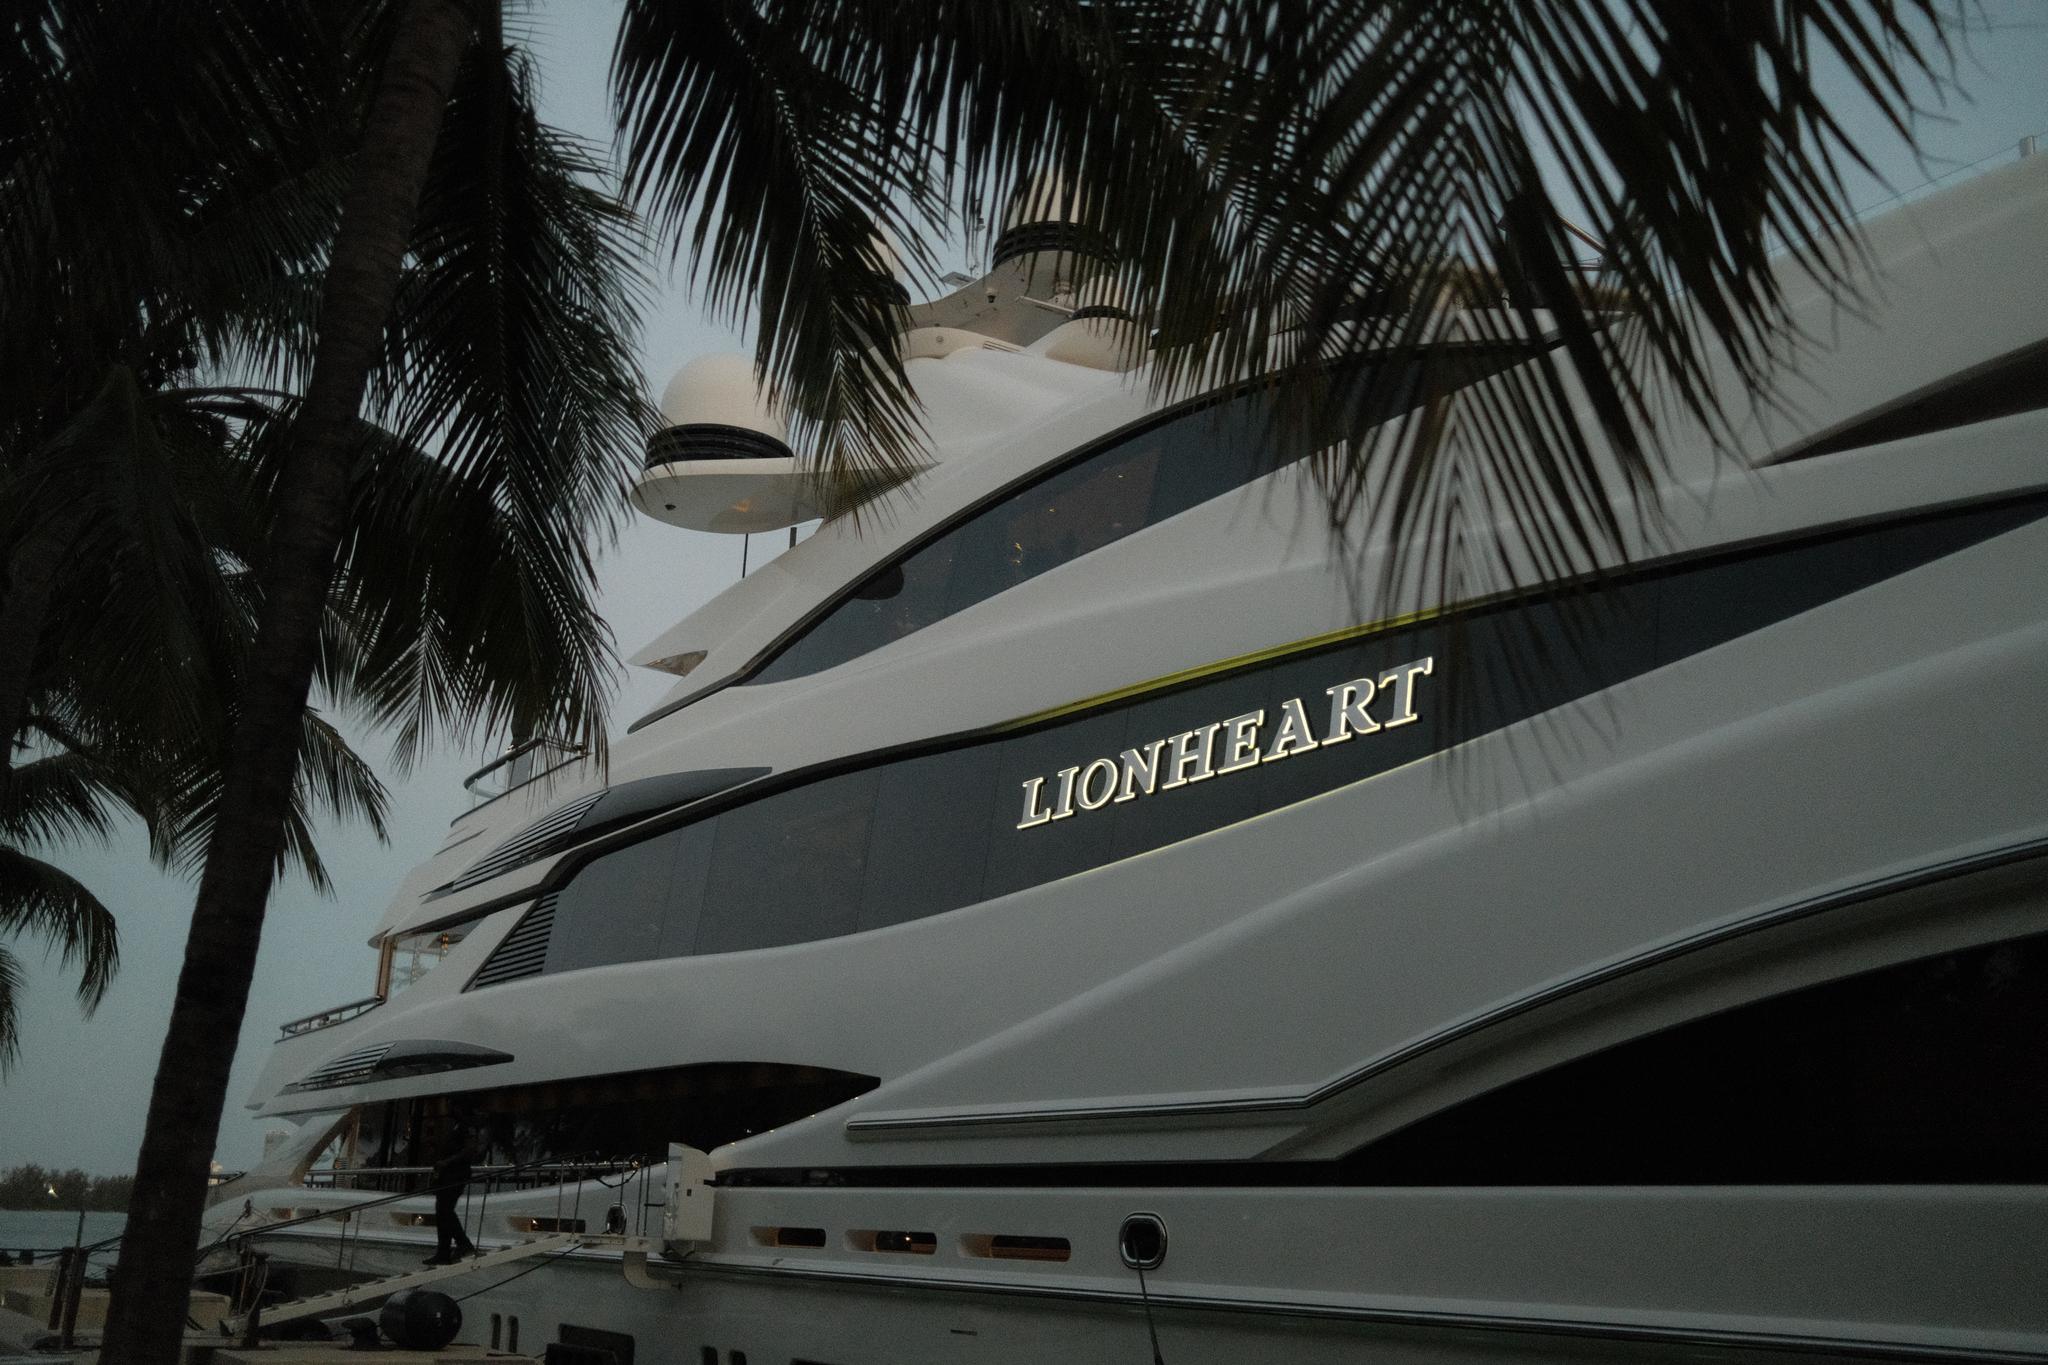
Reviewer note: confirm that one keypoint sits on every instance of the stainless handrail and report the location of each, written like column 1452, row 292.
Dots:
column 329, row 1017
column 529, row 1174
column 517, row 752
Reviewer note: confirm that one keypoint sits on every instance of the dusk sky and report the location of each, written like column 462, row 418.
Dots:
column 77, row 1096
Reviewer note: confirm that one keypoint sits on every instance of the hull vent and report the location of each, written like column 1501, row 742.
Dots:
column 537, row 840
column 524, row 951
column 350, row 1066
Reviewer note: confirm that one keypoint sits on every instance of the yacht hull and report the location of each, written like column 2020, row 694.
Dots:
column 1312, row 1274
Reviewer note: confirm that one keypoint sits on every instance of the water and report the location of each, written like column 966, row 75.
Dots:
column 47, row 1229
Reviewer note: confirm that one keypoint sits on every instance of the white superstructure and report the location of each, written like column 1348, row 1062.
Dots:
column 1074, row 835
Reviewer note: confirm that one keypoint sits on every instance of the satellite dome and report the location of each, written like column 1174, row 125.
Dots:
column 1044, row 198
column 1101, row 333
column 721, row 391
column 722, row 460
column 1046, row 215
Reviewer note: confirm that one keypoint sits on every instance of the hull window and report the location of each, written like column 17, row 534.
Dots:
column 1136, row 481
column 585, row 1122
column 1927, row 1072
column 414, row 955
column 988, row 816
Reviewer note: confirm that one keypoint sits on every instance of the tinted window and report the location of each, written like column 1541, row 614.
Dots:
column 1932, row 1071
column 917, row 836
column 789, row 868
column 616, row 908
column 1085, row 506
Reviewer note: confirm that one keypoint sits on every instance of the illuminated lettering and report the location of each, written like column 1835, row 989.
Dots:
column 1190, row 756
column 1403, row 679
column 1140, row 765
column 1032, row 814
column 1228, row 746
column 1347, row 710
column 1085, row 796
column 1064, row 806
column 1292, row 736
column 1241, row 741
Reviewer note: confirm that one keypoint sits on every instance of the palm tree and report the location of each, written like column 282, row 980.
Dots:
column 477, row 297
column 131, row 642
column 125, row 536
column 1275, row 175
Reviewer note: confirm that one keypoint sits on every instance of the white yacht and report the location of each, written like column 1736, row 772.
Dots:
column 1068, row 910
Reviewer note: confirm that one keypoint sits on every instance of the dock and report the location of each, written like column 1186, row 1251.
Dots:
column 201, row 1351
column 28, row 1338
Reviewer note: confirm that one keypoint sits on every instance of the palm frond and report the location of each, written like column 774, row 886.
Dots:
column 11, row 981
column 236, row 92
column 1286, row 185
column 332, row 780
column 511, row 360
column 41, row 901
column 779, row 174
column 55, row 798
column 449, row 613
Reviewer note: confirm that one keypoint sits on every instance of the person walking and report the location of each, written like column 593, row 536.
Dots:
column 451, row 1175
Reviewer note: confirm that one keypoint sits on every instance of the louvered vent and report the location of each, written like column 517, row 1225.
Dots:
column 524, row 951
column 549, row 834
column 350, row 1066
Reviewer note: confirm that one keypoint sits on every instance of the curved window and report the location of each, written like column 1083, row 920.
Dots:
column 1929, row 1071
column 1100, row 498
column 1094, row 500
column 918, row 835
column 1085, row 506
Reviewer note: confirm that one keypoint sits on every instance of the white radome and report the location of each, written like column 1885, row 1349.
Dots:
column 721, row 390
column 1044, row 198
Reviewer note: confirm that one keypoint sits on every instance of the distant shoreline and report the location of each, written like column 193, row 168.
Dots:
column 38, row 1189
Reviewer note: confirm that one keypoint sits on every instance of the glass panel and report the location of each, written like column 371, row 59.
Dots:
column 414, row 955
column 1065, row 515
column 1062, row 518
column 929, row 848
column 613, row 910
column 682, row 913
column 901, row 599
column 1930, row 1071
column 788, row 868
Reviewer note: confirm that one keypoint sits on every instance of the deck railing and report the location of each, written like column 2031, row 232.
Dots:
column 329, row 1017
column 404, row 1179
column 517, row 766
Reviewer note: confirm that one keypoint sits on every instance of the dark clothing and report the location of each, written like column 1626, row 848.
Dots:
column 451, row 1174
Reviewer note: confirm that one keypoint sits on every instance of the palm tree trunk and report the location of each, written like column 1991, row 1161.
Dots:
column 146, row 1318
column 32, row 575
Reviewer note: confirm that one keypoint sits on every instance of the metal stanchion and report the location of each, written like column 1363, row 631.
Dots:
column 253, row 1323
column 57, row 1283
column 74, row 1291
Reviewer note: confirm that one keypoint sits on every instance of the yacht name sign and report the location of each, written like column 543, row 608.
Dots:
column 1226, row 746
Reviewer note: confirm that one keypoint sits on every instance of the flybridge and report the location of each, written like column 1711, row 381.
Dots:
column 1227, row 746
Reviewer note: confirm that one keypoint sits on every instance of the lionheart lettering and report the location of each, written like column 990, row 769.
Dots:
column 1227, row 746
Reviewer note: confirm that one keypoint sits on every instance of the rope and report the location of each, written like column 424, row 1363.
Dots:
column 1145, row 1298
column 528, row 1271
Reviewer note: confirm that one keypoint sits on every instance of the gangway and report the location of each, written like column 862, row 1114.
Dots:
column 370, row 1291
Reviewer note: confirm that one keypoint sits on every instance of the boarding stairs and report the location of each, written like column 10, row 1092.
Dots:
column 371, row 1291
